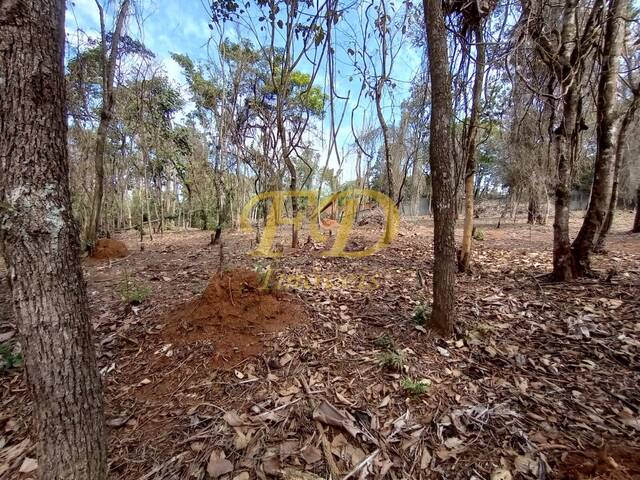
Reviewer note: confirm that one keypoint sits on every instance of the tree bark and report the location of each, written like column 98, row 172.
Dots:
column 565, row 140
column 606, row 138
column 636, row 220
column 621, row 142
column 41, row 247
column 534, row 212
column 470, row 151
column 442, row 168
column 106, row 114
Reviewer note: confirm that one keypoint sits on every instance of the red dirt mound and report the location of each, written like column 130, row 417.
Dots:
column 233, row 314
column 613, row 462
column 108, row 248
column 329, row 224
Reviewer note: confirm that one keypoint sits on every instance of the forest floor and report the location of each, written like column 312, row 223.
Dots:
column 330, row 376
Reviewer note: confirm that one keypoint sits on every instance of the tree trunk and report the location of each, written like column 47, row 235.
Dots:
column 442, row 168
column 563, row 267
column 622, row 140
column 533, row 212
column 606, row 138
column 41, row 245
column 106, row 113
column 636, row 220
column 470, row 151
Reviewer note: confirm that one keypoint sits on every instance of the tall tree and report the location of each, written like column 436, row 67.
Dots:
column 469, row 143
column 566, row 56
column 627, row 121
column 606, row 133
column 41, row 244
column 109, row 57
column 440, row 157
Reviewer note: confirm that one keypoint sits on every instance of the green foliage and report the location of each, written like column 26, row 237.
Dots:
column 415, row 387
column 392, row 360
column 206, row 93
column 133, row 292
column 241, row 52
column 478, row 235
column 384, row 341
column 313, row 100
column 8, row 357
column 421, row 314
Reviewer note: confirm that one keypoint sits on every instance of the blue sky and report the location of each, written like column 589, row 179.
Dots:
column 182, row 27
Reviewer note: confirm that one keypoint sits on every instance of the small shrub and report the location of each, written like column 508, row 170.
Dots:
column 8, row 358
column 415, row 387
column 384, row 341
column 478, row 235
column 392, row 361
column 421, row 315
column 133, row 292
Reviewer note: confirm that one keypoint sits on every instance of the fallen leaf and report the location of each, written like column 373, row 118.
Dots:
column 218, row 464
column 28, row 465
column 425, row 459
column 233, row 419
column 330, row 415
column 501, row 474
column 453, row 442
column 311, row 454
column 117, row 422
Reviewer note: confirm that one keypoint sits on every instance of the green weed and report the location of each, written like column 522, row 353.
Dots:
column 132, row 291
column 384, row 341
column 392, row 361
column 414, row 387
column 8, row 358
column 478, row 235
column 421, row 315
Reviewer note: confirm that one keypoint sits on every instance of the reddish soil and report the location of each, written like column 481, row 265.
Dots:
column 233, row 313
column 107, row 248
column 329, row 223
column 612, row 462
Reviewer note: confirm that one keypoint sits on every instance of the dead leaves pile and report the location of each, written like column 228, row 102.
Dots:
column 534, row 372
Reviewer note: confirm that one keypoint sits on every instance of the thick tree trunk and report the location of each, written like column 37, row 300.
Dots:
column 41, row 244
column 470, row 151
column 566, row 144
column 606, row 138
column 442, row 168
column 106, row 113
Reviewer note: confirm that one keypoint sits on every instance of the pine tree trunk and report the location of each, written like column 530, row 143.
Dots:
column 41, row 247
column 606, row 138
column 470, row 151
column 442, row 168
